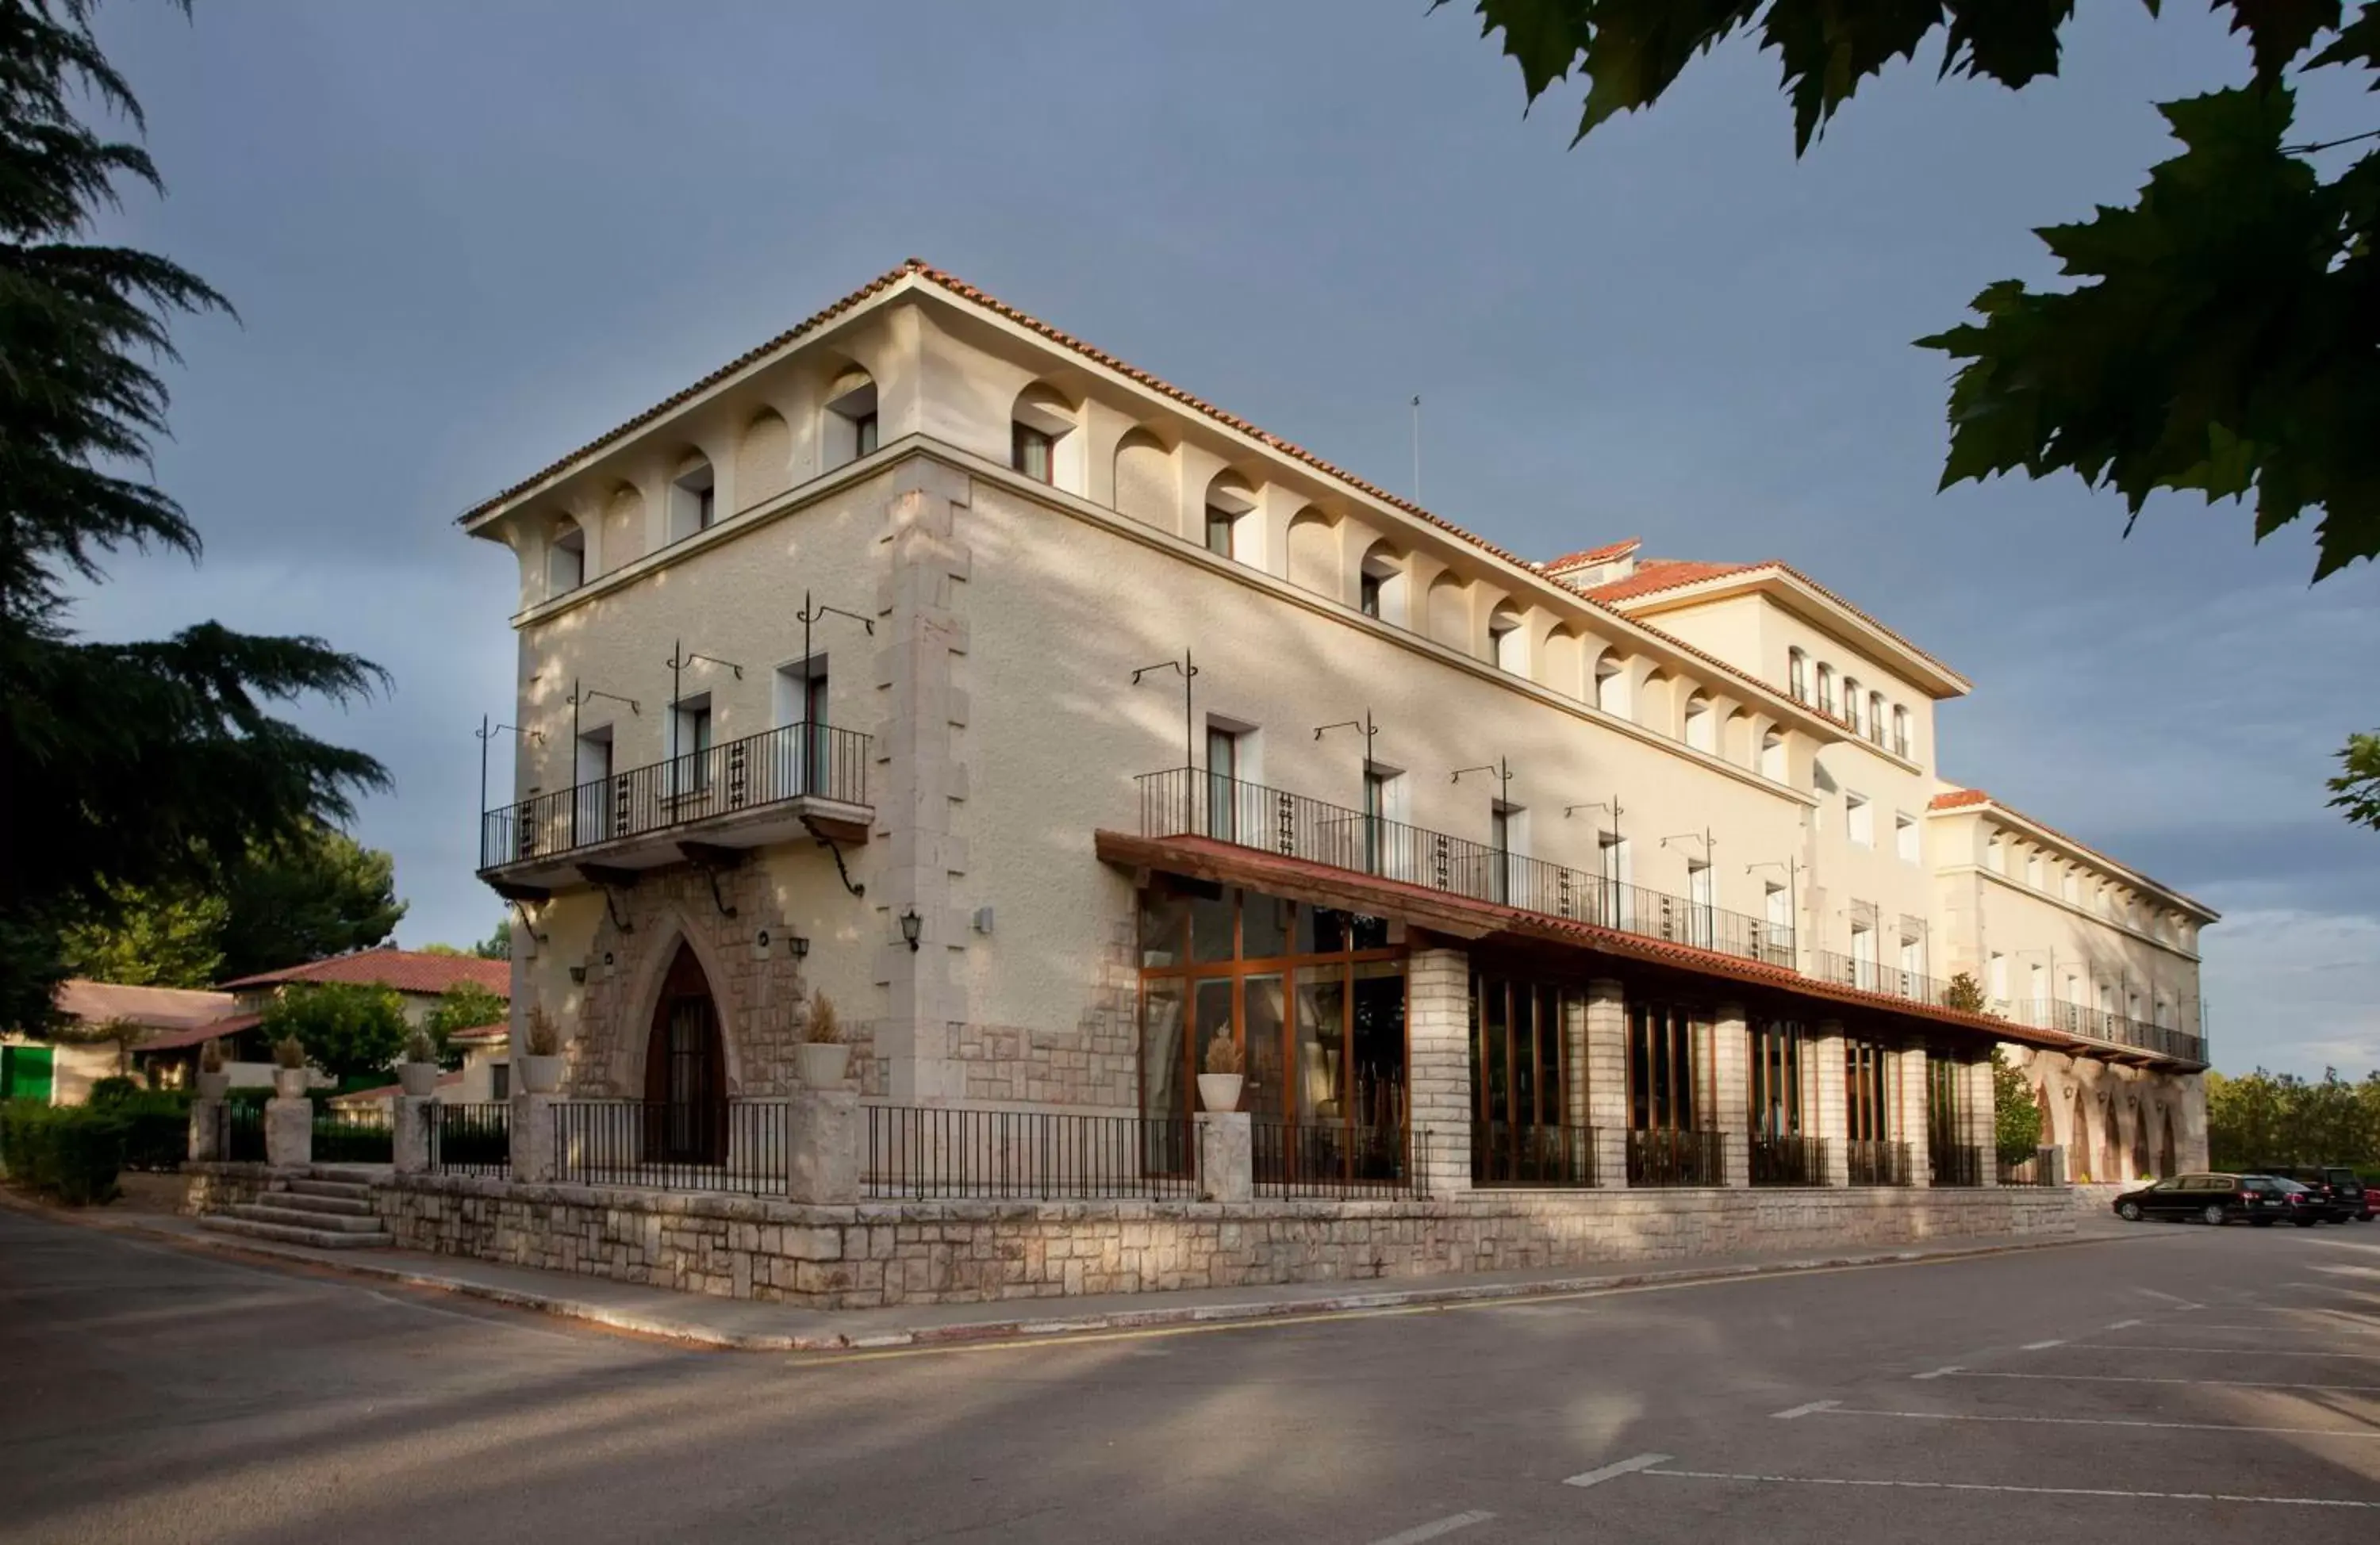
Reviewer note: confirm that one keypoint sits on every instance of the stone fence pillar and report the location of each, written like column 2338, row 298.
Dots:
column 532, row 1138
column 823, row 1146
column 1731, row 1088
column 1226, row 1156
column 1832, row 1123
column 289, row 1133
column 206, row 1129
column 1437, row 1027
column 409, row 1132
column 1607, row 1079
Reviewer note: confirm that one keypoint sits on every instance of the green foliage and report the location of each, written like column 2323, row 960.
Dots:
column 1965, row 992
column 348, row 1030
column 2222, row 335
column 316, row 893
column 156, row 1125
column 156, row 940
column 123, row 1034
column 2356, row 790
column 463, row 1006
column 71, row 1153
column 2016, row 1115
column 110, row 1092
column 2269, row 1118
column 123, row 766
column 497, row 946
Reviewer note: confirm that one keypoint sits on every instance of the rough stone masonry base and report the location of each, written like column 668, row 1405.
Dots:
column 873, row 1255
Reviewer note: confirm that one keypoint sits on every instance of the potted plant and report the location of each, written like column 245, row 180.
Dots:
column 419, row 1072
column 541, row 1058
column 215, row 1078
column 289, row 1076
column 1219, row 1086
column 822, row 1056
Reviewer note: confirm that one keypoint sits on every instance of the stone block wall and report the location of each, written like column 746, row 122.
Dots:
column 879, row 1254
column 211, row 1187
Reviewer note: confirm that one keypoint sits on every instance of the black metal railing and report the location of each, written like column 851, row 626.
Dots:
column 1954, row 1163
column 1847, row 971
column 1675, row 1158
column 1331, row 1161
column 736, row 1146
column 353, row 1135
column 1187, row 802
column 920, row 1151
column 471, row 1138
column 240, row 1132
column 1788, row 1161
column 2046, row 1166
column 795, row 761
column 1874, row 1163
column 1520, row 1153
column 2100, row 1024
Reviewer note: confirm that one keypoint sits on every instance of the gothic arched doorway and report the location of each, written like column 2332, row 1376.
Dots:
column 2084, row 1154
column 2165, row 1146
column 2140, row 1140
column 2111, row 1155
column 686, row 1069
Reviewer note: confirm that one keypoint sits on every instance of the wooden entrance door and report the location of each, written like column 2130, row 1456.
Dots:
column 685, row 1070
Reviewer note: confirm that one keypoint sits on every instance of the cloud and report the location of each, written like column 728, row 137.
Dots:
column 2293, row 991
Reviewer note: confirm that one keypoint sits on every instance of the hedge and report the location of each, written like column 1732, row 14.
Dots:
column 71, row 1152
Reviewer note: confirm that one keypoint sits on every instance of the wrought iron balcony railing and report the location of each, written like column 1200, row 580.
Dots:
column 796, row 761
column 2100, row 1024
column 1187, row 802
column 1849, row 971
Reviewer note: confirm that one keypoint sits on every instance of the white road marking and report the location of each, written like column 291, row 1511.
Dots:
column 1625, row 1466
column 1836, row 1409
column 2123, row 1324
column 2041, row 1346
column 2145, row 1379
column 1436, row 1527
column 2021, row 1490
column 2258, row 1330
column 1937, row 1374
column 2219, row 1351
column 1806, row 1410
column 2168, row 1297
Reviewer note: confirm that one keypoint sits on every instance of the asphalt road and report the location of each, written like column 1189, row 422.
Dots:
column 2183, row 1385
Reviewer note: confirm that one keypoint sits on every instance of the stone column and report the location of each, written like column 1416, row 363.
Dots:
column 1731, row 1087
column 409, row 1135
column 289, row 1133
column 1916, row 1131
column 532, row 1138
column 1825, row 1086
column 918, row 775
column 1982, row 1120
column 1437, row 1030
column 1607, row 1079
column 206, row 1129
column 822, row 1147
column 1226, row 1156
column 2190, row 1122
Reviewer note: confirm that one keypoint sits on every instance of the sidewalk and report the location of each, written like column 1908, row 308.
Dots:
column 731, row 1324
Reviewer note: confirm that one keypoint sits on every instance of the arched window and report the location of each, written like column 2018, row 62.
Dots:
column 1507, row 643
column 1041, row 439
column 1702, row 725
column 1826, row 688
column 1382, row 585
column 1900, row 731
column 1852, row 703
column 1875, row 717
column 1228, row 499
column 1611, row 685
column 692, row 503
column 565, row 558
column 848, row 430
column 1797, row 675
column 1772, row 755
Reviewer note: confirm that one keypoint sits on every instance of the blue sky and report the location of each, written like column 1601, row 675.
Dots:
column 464, row 237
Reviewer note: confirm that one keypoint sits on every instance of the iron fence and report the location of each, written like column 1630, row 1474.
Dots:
column 791, row 761
column 1332, row 1161
column 471, row 1138
column 1520, row 1154
column 917, row 1151
column 240, row 1132
column 1955, row 1163
column 1187, row 802
column 1661, row 1157
column 1788, row 1161
column 2101, row 1025
column 740, row 1145
column 353, row 1135
column 2047, row 1166
column 1873, row 976
column 1876, row 1163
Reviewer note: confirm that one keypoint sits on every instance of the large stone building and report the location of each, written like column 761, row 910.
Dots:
column 1055, row 724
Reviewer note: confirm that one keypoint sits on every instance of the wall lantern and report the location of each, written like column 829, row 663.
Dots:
column 799, row 946
column 578, row 975
column 910, row 924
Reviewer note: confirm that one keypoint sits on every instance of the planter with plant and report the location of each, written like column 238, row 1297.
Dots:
column 1219, row 1086
column 215, row 1078
column 290, row 1077
column 822, row 1056
column 540, row 1053
column 419, row 1072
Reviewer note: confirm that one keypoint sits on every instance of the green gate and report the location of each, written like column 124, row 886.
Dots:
column 25, row 1073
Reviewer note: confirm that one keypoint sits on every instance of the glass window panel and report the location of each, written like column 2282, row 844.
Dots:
column 1211, row 1009
column 1368, row 933
column 1163, row 920
column 1377, row 1079
column 1323, row 929
column 1261, row 1008
column 1210, row 923
column 1264, row 926
column 1321, row 1042
column 1161, row 1089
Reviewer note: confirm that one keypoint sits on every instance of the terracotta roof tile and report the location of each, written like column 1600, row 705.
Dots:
column 229, row 1025
column 407, row 971
column 1591, row 556
column 1664, row 574
column 161, row 1008
column 1958, row 799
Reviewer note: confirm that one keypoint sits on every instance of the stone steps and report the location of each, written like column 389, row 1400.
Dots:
column 329, row 1206
column 269, row 1209
column 344, row 1191
column 248, row 1227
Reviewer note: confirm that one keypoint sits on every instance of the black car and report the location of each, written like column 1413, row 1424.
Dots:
column 2350, row 1185
column 2261, row 1200
column 2339, row 1194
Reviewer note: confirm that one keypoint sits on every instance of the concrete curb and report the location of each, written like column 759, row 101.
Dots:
column 1055, row 1326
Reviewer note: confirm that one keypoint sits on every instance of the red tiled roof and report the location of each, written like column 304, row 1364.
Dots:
column 407, row 971
column 1964, row 799
column 1591, row 556
column 388, row 1090
column 480, row 1036
column 1958, row 799
column 1663, row 573
column 160, row 1007
column 229, row 1025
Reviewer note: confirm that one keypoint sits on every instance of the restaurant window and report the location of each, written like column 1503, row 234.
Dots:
column 1525, row 1125
column 1866, row 1111
column 1776, row 1079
